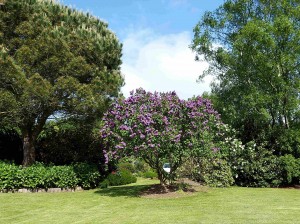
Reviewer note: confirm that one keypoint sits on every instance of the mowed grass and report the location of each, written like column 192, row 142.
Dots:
column 123, row 205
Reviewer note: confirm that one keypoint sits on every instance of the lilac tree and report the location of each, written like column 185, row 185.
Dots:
column 159, row 128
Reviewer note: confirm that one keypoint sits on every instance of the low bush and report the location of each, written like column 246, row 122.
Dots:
column 140, row 166
column 120, row 178
column 126, row 166
column 39, row 175
column 149, row 174
column 255, row 166
column 104, row 184
column 188, row 168
column 114, row 179
column 87, row 174
column 36, row 176
column 127, row 177
column 62, row 177
column 10, row 176
column 215, row 173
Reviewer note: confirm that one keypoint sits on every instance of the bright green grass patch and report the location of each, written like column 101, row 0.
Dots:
column 122, row 205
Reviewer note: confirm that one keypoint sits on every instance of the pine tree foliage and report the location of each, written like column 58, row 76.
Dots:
column 53, row 59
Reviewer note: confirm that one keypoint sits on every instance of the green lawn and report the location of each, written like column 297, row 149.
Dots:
column 122, row 205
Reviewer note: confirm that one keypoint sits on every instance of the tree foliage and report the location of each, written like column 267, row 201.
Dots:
column 159, row 128
column 53, row 60
column 253, row 50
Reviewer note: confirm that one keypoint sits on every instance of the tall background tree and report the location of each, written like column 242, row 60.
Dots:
column 253, row 50
column 54, row 61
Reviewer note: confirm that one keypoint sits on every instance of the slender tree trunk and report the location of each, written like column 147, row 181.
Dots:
column 28, row 149
column 161, row 177
column 286, row 122
column 153, row 162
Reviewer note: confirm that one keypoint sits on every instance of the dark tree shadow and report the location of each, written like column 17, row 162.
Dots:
column 127, row 191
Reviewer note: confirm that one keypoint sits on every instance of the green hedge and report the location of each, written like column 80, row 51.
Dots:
column 41, row 176
column 10, row 176
column 87, row 174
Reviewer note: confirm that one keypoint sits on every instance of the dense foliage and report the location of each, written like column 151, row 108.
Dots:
column 253, row 51
column 53, row 61
column 58, row 62
column 119, row 178
column 87, row 174
column 40, row 176
column 290, row 168
column 252, row 47
column 159, row 128
column 254, row 165
column 214, row 172
column 250, row 165
column 62, row 142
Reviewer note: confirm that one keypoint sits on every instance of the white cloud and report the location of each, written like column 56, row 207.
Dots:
column 162, row 63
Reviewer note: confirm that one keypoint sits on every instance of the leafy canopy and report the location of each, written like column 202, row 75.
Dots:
column 253, row 50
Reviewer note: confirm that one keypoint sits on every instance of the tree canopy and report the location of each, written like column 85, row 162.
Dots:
column 53, row 60
column 253, row 50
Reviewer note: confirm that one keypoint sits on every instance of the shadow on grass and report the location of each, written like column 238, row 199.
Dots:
column 127, row 191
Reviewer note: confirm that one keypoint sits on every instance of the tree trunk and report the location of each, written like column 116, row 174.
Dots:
column 286, row 120
column 30, row 134
column 161, row 177
column 28, row 149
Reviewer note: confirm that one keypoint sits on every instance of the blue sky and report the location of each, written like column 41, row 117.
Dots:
column 155, row 36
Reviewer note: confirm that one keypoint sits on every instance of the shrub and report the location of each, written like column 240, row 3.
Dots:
column 149, row 174
column 298, row 165
column 41, row 176
column 10, row 176
column 87, row 174
column 62, row 177
column 127, row 177
column 35, row 176
column 104, row 184
column 188, row 169
column 214, row 172
column 183, row 186
column 114, row 179
column 255, row 166
column 126, row 166
column 290, row 169
column 141, row 166
column 121, row 178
